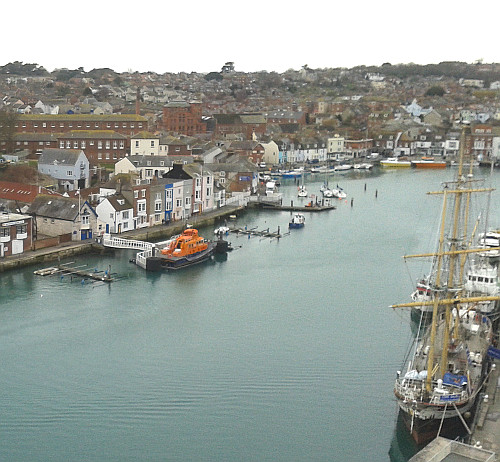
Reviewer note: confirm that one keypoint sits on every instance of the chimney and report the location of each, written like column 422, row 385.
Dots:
column 137, row 101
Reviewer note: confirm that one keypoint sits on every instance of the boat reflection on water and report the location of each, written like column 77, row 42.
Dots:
column 403, row 447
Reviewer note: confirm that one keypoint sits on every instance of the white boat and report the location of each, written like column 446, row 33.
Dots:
column 338, row 192
column 438, row 387
column 221, row 230
column 302, row 191
column 395, row 162
column 297, row 221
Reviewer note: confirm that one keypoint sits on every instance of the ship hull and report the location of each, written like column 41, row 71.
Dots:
column 164, row 262
column 427, row 164
column 424, row 431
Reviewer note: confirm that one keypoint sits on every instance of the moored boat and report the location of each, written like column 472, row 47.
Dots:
column 187, row 249
column 395, row 162
column 297, row 221
column 428, row 162
column 438, row 389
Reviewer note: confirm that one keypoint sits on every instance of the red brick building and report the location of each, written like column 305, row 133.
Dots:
column 235, row 124
column 100, row 146
column 184, row 118
column 125, row 124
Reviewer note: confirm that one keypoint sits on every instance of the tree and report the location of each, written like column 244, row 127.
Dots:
column 435, row 90
column 214, row 76
column 8, row 121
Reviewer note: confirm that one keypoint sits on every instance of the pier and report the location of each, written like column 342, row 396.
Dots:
column 96, row 275
column 310, row 207
column 256, row 232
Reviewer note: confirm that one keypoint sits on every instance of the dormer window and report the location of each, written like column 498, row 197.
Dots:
column 121, row 201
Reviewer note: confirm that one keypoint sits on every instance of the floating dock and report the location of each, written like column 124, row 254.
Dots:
column 256, row 232
column 310, row 207
column 101, row 276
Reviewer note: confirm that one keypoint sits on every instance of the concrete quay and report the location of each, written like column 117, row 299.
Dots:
column 486, row 432
column 70, row 249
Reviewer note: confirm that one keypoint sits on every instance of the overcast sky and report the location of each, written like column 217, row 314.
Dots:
column 272, row 35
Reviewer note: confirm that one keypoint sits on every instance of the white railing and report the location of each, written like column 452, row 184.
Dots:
column 119, row 243
column 141, row 257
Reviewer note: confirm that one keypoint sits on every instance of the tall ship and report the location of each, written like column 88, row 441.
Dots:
column 438, row 388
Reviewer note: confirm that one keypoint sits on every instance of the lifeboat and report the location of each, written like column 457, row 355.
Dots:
column 187, row 249
column 188, row 243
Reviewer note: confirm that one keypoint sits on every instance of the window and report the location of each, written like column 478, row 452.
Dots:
column 125, row 225
column 143, row 193
column 136, row 194
column 125, row 214
column 83, row 144
column 99, row 145
column 75, row 144
column 137, row 144
column 85, row 219
column 158, row 206
column 152, row 143
column 115, row 144
column 122, row 144
column 68, row 144
column 108, row 145
column 69, row 173
column 4, row 232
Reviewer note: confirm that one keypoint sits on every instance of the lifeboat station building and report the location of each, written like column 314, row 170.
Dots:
column 15, row 234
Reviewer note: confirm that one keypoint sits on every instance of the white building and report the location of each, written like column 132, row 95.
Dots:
column 145, row 144
column 116, row 213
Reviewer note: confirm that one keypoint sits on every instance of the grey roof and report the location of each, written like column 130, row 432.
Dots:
column 115, row 202
column 60, row 156
column 62, row 208
column 150, row 161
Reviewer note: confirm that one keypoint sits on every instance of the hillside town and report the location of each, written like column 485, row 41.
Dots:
column 87, row 153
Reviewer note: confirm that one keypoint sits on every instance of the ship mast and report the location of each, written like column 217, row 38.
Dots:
column 458, row 248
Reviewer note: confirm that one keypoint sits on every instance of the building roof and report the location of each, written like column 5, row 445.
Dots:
column 150, row 161
column 84, row 117
column 61, row 208
column 93, row 134
column 21, row 192
column 60, row 156
column 35, row 137
column 10, row 217
column 145, row 136
column 118, row 202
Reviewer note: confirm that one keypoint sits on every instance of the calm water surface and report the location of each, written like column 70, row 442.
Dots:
column 285, row 351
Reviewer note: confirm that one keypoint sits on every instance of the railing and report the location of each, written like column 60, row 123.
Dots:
column 412, row 389
column 141, row 257
column 120, row 243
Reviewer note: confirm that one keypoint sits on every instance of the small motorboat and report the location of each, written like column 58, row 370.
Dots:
column 297, row 221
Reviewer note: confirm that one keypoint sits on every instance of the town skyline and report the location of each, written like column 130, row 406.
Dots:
column 265, row 36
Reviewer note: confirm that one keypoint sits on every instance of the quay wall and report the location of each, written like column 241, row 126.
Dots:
column 64, row 250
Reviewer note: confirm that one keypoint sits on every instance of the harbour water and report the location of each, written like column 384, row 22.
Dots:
column 286, row 350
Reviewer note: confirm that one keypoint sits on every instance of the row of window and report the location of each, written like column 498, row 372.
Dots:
column 87, row 125
column 83, row 144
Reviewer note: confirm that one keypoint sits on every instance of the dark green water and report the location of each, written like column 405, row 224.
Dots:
column 285, row 351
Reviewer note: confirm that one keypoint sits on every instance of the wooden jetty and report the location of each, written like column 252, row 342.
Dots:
column 311, row 207
column 101, row 276
column 256, row 232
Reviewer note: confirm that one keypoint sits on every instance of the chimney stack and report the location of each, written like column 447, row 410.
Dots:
column 137, row 101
